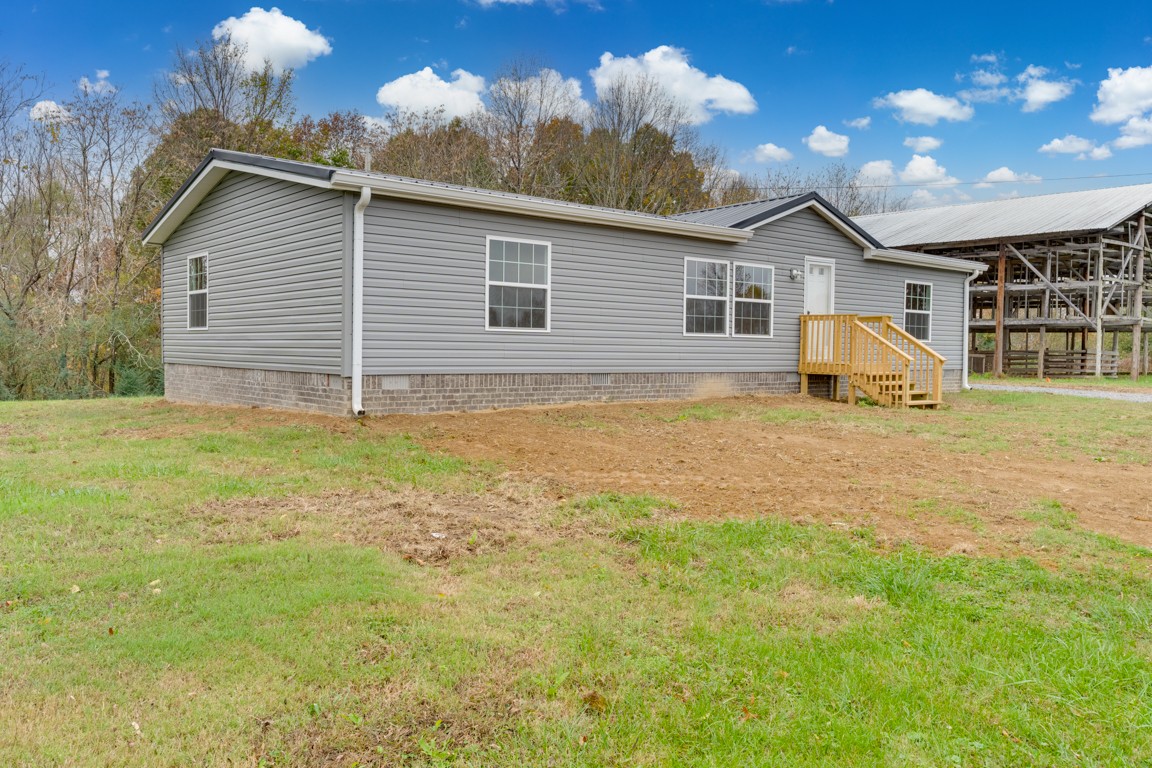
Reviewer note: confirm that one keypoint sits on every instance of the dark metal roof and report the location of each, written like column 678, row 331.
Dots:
column 748, row 215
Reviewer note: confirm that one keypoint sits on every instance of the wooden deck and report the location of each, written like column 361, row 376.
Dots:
column 875, row 356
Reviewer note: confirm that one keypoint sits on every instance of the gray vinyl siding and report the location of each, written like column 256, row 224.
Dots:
column 275, row 278
column 617, row 298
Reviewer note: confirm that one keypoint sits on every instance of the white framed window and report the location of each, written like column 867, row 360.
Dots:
column 518, row 285
column 198, row 291
column 705, row 297
column 752, row 299
column 918, row 310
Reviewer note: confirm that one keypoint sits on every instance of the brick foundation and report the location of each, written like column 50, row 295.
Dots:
column 429, row 393
column 317, row 392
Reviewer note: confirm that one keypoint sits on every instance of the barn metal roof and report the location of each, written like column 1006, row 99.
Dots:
column 1063, row 213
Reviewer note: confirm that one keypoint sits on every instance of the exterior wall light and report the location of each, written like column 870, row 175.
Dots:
column 794, row 274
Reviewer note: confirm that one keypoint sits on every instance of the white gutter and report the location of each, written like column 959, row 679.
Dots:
column 358, row 301
column 929, row 260
column 964, row 338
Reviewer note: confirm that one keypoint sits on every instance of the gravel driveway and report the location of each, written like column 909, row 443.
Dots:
column 1101, row 394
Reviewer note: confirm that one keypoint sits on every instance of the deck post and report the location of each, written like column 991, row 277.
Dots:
column 1138, row 295
column 803, row 383
column 998, row 354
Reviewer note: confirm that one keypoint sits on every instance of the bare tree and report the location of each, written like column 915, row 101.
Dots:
column 838, row 183
column 642, row 152
column 523, row 101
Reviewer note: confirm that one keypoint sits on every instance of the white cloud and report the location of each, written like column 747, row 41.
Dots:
column 272, row 36
column 922, row 198
column 986, row 95
column 923, row 169
column 860, row 123
column 1084, row 149
column 425, row 90
column 1005, row 175
column 1137, row 132
column 988, row 78
column 99, row 86
column 1127, row 93
column 702, row 95
column 922, row 144
column 1037, row 92
column 985, row 58
column 824, row 142
column 878, row 173
column 924, row 107
column 770, row 153
column 48, row 111
column 1036, row 89
column 1069, row 145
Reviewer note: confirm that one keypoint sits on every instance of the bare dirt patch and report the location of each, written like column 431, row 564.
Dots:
column 812, row 467
column 423, row 526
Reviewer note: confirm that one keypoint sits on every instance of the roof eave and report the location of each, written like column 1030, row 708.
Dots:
column 540, row 208
column 930, row 261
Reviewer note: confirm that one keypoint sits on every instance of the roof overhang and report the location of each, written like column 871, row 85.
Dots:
column 411, row 189
column 219, row 163
column 913, row 259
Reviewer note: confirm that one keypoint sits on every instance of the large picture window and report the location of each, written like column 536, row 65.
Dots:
column 752, row 300
column 705, row 297
column 198, row 291
column 918, row 310
column 518, row 285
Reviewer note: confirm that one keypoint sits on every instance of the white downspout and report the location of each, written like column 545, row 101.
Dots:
column 964, row 340
column 358, row 301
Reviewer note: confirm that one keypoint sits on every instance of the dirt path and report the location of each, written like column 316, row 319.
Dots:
column 813, row 468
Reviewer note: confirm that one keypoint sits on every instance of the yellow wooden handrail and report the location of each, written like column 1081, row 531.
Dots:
column 875, row 354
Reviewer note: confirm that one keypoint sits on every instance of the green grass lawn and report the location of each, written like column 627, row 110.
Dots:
column 183, row 586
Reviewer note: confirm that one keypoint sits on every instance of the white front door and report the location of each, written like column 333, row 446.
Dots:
column 819, row 286
column 819, row 292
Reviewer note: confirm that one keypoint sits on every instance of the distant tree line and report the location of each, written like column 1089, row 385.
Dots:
column 80, row 180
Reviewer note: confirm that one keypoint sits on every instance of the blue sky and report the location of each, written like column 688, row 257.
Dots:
column 935, row 97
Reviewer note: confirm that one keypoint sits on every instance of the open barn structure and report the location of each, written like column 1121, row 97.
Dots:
column 1068, row 283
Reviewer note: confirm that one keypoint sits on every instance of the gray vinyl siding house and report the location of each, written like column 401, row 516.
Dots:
column 291, row 323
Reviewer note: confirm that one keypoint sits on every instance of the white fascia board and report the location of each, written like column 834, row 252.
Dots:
column 913, row 259
column 209, row 177
column 832, row 219
column 540, row 208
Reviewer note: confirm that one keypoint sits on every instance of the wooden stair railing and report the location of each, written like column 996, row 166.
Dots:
column 884, row 361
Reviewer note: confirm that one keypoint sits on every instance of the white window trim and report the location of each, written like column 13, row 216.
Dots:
column 488, row 283
column 931, row 301
column 727, row 299
column 189, row 293
column 770, row 302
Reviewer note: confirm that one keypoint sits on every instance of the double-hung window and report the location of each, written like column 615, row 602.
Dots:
column 918, row 310
column 727, row 298
column 518, row 285
column 752, row 300
column 198, row 291
column 705, row 297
